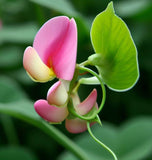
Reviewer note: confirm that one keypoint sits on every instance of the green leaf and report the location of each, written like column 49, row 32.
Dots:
column 21, row 109
column 62, row 6
column 18, row 33
column 21, row 76
column 16, row 153
column 130, row 8
column 10, row 91
column 132, row 141
column 116, row 54
column 65, row 7
column 10, row 57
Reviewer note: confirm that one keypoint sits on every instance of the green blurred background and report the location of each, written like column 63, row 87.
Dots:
column 21, row 19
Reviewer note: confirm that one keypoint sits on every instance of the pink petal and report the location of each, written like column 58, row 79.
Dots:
column 75, row 125
column 50, row 113
column 57, row 94
column 35, row 67
column 56, row 44
column 84, row 107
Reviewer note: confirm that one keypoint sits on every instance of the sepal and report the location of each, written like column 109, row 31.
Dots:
column 73, row 114
column 90, row 81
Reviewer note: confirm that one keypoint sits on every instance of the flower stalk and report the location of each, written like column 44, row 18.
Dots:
column 99, row 142
column 101, row 83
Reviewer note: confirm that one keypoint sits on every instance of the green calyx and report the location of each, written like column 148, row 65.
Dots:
column 91, row 116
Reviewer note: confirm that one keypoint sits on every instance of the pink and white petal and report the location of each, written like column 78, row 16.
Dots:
column 35, row 67
column 64, row 62
column 75, row 99
column 49, row 38
column 66, row 84
column 75, row 125
column 50, row 113
column 96, row 105
column 57, row 94
column 84, row 107
column 56, row 44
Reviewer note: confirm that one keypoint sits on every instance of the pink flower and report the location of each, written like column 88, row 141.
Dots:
column 54, row 55
column 54, row 51
column 55, row 110
column 77, row 125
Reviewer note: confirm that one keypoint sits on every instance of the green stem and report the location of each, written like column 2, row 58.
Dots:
column 99, row 142
column 76, row 87
column 93, row 116
column 84, row 63
column 101, row 83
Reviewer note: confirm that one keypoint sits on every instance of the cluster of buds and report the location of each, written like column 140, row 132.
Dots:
column 55, row 108
column 53, row 55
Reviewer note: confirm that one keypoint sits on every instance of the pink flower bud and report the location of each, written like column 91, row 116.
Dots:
column 77, row 125
column 57, row 94
column 50, row 113
column 86, row 106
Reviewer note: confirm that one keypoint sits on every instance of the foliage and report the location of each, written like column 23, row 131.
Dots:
column 116, row 138
column 20, row 21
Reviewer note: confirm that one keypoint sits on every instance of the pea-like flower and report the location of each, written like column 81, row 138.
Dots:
column 55, row 110
column 76, row 125
column 54, row 51
column 54, row 55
